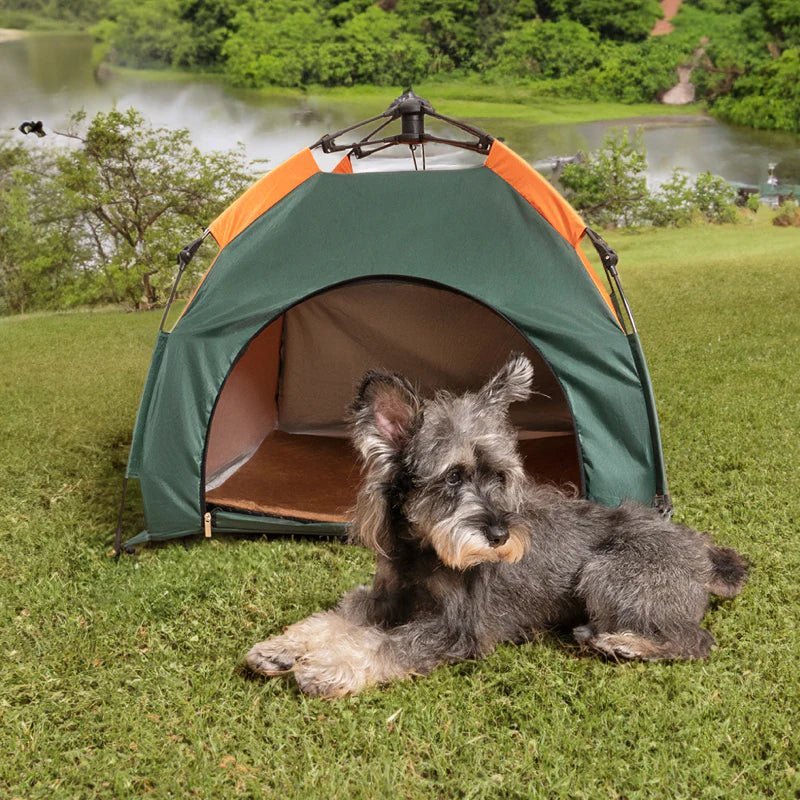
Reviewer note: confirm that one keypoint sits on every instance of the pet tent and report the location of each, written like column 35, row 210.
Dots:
column 437, row 274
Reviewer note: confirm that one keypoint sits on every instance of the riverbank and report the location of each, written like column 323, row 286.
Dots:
column 455, row 97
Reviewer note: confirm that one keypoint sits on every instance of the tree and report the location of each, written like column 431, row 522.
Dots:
column 624, row 20
column 276, row 44
column 138, row 195
column 37, row 250
column 372, row 47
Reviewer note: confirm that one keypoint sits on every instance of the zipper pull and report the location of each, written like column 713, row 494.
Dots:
column 207, row 524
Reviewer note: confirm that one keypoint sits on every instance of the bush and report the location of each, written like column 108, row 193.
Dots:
column 769, row 97
column 714, row 198
column 672, row 205
column 788, row 215
column 144, row 34
column 548, row 50
column 623, row 20
column 277, row 45
column 372, row 47
column 609, row 187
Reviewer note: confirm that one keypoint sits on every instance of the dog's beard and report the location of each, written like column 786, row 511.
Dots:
column 460, row 543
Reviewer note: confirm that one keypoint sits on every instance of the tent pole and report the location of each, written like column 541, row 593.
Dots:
column 118, row 532
column 183, row 258
column 610, row 259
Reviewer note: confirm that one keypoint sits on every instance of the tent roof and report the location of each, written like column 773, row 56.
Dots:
column 504, row 162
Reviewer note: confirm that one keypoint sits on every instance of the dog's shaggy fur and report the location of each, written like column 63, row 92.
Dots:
column 471, row 553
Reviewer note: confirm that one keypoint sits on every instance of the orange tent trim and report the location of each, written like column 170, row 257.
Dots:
column 262, row 195
column 541, row 194
column 344, row 167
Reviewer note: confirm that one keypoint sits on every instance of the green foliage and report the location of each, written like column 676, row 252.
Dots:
column 672, row 204
column 548, row 50
column 623, row 20
column 209, row 23
column 753, row 203
column 101, row 222
column 633, row 73
column 768, row 97
column 148, row 33
column 37, row 250
column 714, row 198
column 447, row 27
column 788, row 215
column 372, row 47
column 782, row 18
column 276, row 44
column 608, row 187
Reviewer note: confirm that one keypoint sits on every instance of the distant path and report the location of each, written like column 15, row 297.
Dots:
column 9, row 34
column 664, row 26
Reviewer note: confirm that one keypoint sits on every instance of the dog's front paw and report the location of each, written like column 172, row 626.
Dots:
column 320, row 675
column 270, row 658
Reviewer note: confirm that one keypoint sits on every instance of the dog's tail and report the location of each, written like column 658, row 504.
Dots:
column 728, row 571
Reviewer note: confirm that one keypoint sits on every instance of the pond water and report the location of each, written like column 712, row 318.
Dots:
column 48, row 76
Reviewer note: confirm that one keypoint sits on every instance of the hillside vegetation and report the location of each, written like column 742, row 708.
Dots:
column 745, row 53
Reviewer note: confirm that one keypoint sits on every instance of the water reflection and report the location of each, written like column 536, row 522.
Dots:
column 49, row 76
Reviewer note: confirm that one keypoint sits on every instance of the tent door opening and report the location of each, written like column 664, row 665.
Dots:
column 277, row 443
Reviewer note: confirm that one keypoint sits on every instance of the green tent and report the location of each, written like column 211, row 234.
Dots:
column 437, row 274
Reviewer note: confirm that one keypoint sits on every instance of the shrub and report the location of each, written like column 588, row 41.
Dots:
column 609, row 187
column 788, row 215
column 769, row 97
column 372, row 47
column 102, row 221
column 673, row 203
column 714, row 198
column 624, row 20
column 277, row 44
column 548, row 50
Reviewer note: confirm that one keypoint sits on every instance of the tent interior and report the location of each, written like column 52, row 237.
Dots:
column 277, row 443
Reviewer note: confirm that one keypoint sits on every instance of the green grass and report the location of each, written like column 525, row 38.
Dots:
column 120, row 678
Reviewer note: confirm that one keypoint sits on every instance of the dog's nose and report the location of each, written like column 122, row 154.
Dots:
column 495, row 535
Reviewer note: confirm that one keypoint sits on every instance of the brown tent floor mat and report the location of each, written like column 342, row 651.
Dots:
column 316, row 477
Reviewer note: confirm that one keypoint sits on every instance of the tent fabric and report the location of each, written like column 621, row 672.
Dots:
column 469, row 231
column 542, row 195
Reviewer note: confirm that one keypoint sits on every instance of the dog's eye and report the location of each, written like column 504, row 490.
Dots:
column 453, row 477
column 500, row 477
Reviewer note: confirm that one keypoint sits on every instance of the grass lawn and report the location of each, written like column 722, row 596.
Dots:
column 120, row 678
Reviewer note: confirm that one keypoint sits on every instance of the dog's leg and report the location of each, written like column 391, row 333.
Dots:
column 346, row 658
column 354, row 656
column 694, row 642
column 277, row 656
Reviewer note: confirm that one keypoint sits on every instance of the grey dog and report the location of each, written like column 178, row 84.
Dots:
column 471, row 552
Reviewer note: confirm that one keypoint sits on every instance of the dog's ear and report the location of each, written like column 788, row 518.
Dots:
column 383, row 413
column 512, row 383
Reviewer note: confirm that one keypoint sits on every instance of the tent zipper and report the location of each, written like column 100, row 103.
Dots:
column 207, row 524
